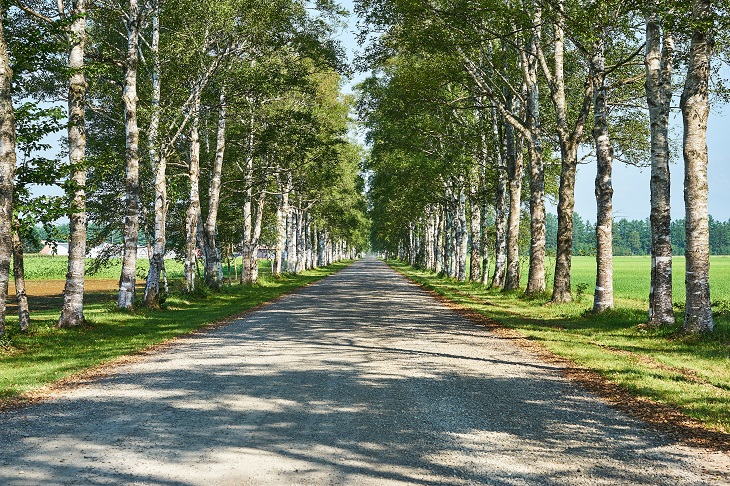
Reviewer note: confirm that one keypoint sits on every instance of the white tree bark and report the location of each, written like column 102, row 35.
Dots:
column 536, row 276
column 695, row 107
column 128, row 278
column 7, row 171
column 659, row 65
column 514, row 181
column 72, row 312
column 461, row 234
column 603, row 296
column 291, row 240
column 301, row 242
column 501, row 210
column 213, row 273
column 19, row 274
column 154, row 294
column 282, row 215
column 192, row 214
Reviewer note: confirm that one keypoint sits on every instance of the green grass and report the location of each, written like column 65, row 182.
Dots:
column 691, row 373
column 46, row 354
column 48, row 267
column 632, row 276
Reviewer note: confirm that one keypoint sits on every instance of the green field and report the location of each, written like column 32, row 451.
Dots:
column 689, row 373
column 632, row 276
column 47, row 267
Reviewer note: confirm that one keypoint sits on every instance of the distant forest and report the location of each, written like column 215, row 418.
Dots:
column 634, row 237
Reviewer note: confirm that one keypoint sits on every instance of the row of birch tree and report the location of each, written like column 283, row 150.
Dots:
column 476, row 110
column 196, row 126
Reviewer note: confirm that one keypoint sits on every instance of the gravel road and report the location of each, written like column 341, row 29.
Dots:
column 360, row 379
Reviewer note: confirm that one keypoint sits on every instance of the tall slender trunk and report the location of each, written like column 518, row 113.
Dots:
column 501, row 210
column 438, row 240
column 193, row 212
column 19, row 273
column 536, row 276
column 569, row 138
column 475, row 228
column 322, row 249
column 282, row 211
column 250, row 272
column 483, row 206
column 603, row 296
column 128, row 278
column 213, row 275
column 449, row 237
column 153, row 294
column 566, row 206
column 695, row 107
column 291, row 240
column 315, row 246
column 659, row 65
column 461, row 234
column 514, row 175
column 7, row 170
column 308, row 241
column 301, row 242
column 72, row 312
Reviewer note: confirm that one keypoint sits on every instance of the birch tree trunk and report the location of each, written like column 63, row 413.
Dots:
column 449, row 237
column 282, row 213
column 193, row 212
column 514, row 175
column 484, row 209
column 247, row 251
column 291, row 241
column 72, row 312
column 536, row 276
column 128, row 278
column 19, row 274
column 475, row 228
column 213, row 275
column 153, row 295
column 566, row 207
column 322, row 250
column 603, row 296
column 695, row 111
column 300, row 240
column 461, row 234
column 569, row 138
column 250, row 272
column 659, row 65
column 501, row 210
column 308, row 241
column 7, row 170
column 315, row 246
column 438, row 248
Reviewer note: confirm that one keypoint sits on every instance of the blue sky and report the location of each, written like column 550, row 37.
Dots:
column 631, row 184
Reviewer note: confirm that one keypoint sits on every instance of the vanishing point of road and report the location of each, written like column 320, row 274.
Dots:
column 359, row 379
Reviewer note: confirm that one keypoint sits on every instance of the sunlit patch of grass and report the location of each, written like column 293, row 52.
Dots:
column 691, row 373
column 46, row 354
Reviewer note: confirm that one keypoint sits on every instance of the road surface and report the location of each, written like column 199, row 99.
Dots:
column 360, row 379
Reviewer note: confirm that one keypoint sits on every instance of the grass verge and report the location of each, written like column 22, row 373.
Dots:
column 32, row 364
column 679, row 383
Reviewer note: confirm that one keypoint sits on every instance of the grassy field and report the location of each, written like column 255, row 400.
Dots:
column 632, row 277
column 47, row 267
column 689, row 373
column 46, row 354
